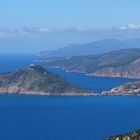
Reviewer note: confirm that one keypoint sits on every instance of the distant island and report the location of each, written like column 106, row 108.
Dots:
column 129, row 136
column 121, row 63
column 37, row 80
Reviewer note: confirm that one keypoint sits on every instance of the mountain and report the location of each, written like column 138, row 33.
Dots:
column 129, row 136
column 92, row 48
column 36, row 80
column 120, row 63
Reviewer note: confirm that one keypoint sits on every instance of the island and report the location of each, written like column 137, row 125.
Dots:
column 37, row 80
column 129, row 136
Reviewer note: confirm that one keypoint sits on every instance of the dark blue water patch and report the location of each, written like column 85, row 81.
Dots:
column 11, row 62
column 67, row 118
column 95, row 84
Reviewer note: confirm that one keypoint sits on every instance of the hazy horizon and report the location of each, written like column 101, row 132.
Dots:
column 37, row 25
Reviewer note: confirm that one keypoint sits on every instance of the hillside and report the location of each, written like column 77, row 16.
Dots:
column 132, row 88
column 36, row 80
column 121, row 63
column 129, row 136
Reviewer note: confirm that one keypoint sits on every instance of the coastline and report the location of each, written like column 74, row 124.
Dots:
column 94, row 75
column 64, row 94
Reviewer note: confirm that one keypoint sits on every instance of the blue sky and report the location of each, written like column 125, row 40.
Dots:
column 59, row 14
column 37, row 25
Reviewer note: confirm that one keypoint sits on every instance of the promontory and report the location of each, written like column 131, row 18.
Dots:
column 37, row 80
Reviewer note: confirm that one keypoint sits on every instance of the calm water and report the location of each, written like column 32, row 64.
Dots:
column 65, row 118
column 96, row 84
column 14, row 61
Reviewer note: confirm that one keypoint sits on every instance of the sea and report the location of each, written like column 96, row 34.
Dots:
column 25, row 117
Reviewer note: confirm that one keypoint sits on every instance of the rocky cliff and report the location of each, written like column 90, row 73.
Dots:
column 131, row 70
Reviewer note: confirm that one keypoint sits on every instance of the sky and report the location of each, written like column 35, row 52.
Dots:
column 37, row 16
column 68, row 13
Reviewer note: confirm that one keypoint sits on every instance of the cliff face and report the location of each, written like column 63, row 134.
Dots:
column 129, row 136
column 35, row 80
column 131, row 70
column 122, row 63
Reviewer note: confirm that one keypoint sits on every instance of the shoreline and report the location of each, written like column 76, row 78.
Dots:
column 66, row 94
column 94, row 75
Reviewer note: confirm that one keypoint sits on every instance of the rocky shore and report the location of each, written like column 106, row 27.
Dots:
column 129, row 136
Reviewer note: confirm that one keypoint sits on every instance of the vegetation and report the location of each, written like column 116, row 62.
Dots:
column 121, row 63
column 36, row 79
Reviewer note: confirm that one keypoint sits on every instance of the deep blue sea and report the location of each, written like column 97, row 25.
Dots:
column 11, row 62
column 65, row 118
column 94, row 84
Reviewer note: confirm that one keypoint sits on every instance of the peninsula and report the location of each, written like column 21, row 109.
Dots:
column 37, row 80
column 121, row 63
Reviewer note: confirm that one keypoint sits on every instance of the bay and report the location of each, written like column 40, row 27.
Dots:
column 66, row 118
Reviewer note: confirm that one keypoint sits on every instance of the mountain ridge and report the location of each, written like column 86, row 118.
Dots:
column 120, row 63
column 92, row 48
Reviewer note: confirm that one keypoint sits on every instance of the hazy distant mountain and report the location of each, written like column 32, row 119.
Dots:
column 120, row 63
column 96, row 47
column 36, row 80
column 36, row 39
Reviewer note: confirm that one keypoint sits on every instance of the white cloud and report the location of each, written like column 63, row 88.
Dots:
column 22, row 30
column 81, row 29
column 131, row 26
column 44, row 30
column 123, row 28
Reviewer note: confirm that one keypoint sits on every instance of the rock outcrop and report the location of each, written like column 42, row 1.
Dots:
column 129, row 136
column 132, row 88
